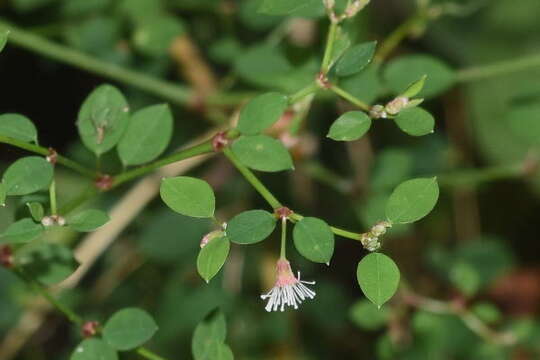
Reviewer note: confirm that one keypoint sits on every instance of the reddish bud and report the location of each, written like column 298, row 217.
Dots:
column 322, row 81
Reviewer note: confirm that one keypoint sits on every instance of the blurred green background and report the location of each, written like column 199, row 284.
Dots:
column 480, row 246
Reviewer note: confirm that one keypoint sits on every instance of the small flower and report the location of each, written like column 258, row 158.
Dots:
column 289, row 290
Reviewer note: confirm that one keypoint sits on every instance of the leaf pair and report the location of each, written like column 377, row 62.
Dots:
column 104, row 122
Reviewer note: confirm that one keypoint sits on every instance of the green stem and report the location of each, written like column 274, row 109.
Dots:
column 282, row 254
column 52, row 196
column 177, row 94
column 473, row 177
column 308, row 90
column 498, row 69
column 37, row 287
column 203, row 148
column 327, row 58
column 338, row 231
column 397, row 36
column 350, row 98
column 45, row 152
column 144, row 352
column 252, row 179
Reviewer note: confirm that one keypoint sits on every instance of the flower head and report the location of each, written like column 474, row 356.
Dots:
column 289, row 290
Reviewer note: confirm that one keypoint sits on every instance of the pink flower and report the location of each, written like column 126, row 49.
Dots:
column 289, row 290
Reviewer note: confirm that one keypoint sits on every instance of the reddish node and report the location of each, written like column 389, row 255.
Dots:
column 104, row 182
column 220, row 141
column 90, row 328
column 322, row 81
column 52, row 157
column 283, row 212
column 6, row 257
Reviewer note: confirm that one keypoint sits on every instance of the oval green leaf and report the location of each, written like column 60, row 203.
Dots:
column 87, row 220
column 212, row 330
column 250, row 227
column 103, row 119
column 403, row 71
column 188, row 196
column 524, row 121
column 212, row 257
column 378, row 277
column 129, row 328
column 314, row 239
column 94, row 349
column 263, row 153
column 22, row 231
column 415, row 121
column 155, row 34
column 412, row 200
column 350, row 126
column 261, row 112
column 28, row 175
column 367, row 316
column 147, row 135
column 47, row 263
column 18, row 127
column 291, row 7
column 36, row 210
column 356, row 58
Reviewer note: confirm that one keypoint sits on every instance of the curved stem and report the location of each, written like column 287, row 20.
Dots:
column 37, row 287
column 252, row 179
column 44, row 151
column 397, row 36
column 144, row 352
column 327, row 58
column 52, row 196
column 499, row 68
column 177, row 94
column 350, row 98
column 203, row 148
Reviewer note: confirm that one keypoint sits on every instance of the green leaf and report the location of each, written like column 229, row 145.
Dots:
column 524, row 121
column 93, row 349
column 415, row 121
column 465, row 278
column 414, row 88
column 47, row 263
column 263, row 153
column 155, row 35
column 3, row 194
column 147, row 135
column 367, row 316
column 36, row 210
column 412, row 200
column 487, row 312
column 355, row 59
column 350, row 126
column 291, row 7
column 250, row 227
column 28, row 175
column 103, row 119
column 218, row 351
column 212, row 257
column 18, row 127
column 188, row 196
column 3, row 38
column 261, row 113
column 401, row 72
column 314, row 239
column 378, row 277
column 87, row 220
column 211, row 332
column 129, row 328
column 22, row 231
